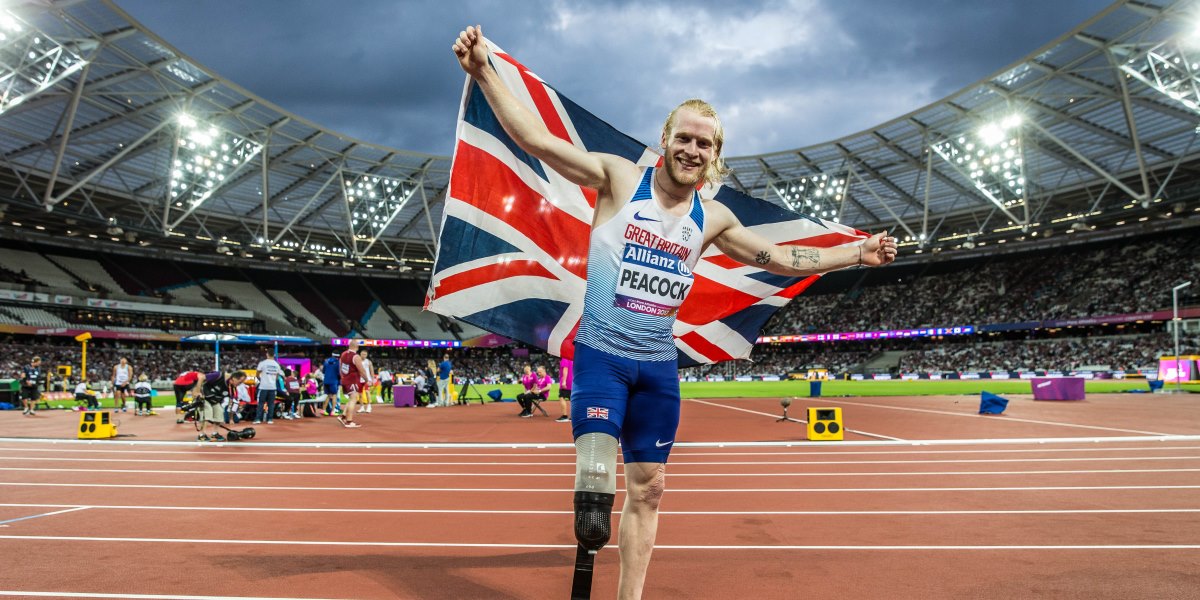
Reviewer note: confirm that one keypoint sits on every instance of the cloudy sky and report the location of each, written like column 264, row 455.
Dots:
column 782, row 73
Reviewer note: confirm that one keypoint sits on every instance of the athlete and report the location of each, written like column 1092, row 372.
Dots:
column 353, row 379
column 122, row 381
column 566, row 375
column 649, row 228
column 368, row 391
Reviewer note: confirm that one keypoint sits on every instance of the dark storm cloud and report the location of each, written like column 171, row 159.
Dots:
column 784, row 73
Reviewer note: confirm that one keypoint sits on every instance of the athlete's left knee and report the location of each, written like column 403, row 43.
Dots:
column 649, row 492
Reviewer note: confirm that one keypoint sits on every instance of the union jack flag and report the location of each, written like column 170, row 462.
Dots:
column 512, row 253
column 594, row 412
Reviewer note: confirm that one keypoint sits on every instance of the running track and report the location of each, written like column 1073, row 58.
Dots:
column 1090, row 506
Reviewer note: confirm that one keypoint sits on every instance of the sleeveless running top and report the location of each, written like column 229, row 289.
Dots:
column 123, row 374
column 639, row 272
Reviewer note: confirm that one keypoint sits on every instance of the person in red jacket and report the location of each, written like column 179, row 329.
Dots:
column 184, row 384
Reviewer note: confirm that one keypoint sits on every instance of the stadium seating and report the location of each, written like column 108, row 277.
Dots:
column 38, row 268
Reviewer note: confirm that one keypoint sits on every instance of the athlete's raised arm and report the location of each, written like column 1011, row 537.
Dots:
column 745, row 246
column 580, row 167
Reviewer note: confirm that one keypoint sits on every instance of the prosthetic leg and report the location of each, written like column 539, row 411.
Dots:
column 595, row 489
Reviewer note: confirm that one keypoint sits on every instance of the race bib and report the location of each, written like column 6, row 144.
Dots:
column 652, row 281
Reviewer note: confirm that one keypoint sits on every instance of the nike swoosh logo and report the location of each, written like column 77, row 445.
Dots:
column 637, row 216
column 659, row 444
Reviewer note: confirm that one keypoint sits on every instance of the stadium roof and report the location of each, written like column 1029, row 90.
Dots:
column 128, row 139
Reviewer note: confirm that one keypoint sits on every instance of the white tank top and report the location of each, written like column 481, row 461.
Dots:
column 122, row 374
column 639, row 272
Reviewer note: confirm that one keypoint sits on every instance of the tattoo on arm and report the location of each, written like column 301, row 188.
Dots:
column 803, row 257
column 763, row 257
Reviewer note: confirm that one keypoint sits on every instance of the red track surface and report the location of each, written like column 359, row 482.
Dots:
column 983, row 519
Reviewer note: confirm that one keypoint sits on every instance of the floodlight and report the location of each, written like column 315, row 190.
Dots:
column 30, row 61
column 991, row 157
column 818, row 194
column 373, row 202
column 204, row 158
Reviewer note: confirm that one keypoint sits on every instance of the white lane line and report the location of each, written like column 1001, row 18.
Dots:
column 571, row 464
column 57, row 512
column 228, row 488
column 996, row 417
column 571, row 546
column 672, row 474
column 451, row 511
column 755, row 412
column 23, row 453
column 210, row 448
column 33, row 594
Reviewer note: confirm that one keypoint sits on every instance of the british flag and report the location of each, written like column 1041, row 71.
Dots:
column 594, row 412
column 512, row 253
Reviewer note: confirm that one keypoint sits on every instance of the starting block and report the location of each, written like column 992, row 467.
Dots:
column 96, row 425
column 825, row 424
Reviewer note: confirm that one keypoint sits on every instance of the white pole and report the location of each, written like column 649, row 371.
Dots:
column 1175, row 326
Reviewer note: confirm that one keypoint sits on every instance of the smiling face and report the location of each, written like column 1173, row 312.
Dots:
column 691, row 141
column 689, row 147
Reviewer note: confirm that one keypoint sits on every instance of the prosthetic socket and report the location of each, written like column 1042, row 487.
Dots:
column 595, row 488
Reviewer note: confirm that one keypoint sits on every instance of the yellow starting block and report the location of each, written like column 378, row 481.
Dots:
column 825, row 424
column 96, row 425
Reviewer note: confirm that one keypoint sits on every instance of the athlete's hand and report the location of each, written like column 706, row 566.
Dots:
column 879, row 250
column 471, row 50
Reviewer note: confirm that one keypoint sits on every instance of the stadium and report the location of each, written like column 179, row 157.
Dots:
column 158, row 215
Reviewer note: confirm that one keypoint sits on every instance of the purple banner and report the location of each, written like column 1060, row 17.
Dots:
column 868, row 335
column 1057, row 388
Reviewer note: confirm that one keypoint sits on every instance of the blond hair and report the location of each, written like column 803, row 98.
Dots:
column 716, row 170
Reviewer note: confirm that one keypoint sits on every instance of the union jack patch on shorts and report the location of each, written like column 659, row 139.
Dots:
column 597, row 413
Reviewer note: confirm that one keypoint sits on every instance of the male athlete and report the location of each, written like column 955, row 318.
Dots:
column 649, row 229
column 122, row 380
column 353, row 379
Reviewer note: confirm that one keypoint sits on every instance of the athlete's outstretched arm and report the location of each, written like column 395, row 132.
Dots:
column 581, row 168
column 745, row 246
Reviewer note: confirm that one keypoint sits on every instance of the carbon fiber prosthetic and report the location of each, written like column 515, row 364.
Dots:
column 595, row 488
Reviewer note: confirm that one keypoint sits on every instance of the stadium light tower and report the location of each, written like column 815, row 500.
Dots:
column 30, row 61
column 819, row 195
column 1175, row 326
column 372, row 203
column 991, row 156
column 204, row 158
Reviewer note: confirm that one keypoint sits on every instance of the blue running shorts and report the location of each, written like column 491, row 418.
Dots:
column 634, row 401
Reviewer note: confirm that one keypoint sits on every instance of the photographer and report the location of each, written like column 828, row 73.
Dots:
column 216, row 389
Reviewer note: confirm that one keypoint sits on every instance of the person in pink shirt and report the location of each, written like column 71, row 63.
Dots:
column 566, row 374
column 538, row 393
column 528, row 379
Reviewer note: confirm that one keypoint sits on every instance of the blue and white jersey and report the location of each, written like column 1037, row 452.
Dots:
column 639, row 272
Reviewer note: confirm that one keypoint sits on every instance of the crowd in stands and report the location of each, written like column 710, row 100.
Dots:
column 162, row 362
column 1121, row 277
